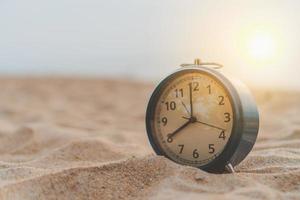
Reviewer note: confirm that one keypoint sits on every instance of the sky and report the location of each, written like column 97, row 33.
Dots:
column 256, row 41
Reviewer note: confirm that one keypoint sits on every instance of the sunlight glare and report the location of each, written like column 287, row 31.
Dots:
column 261, row 46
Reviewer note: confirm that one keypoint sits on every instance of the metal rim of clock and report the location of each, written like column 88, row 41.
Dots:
column 219, row 163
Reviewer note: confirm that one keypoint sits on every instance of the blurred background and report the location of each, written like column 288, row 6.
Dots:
column 256, row 40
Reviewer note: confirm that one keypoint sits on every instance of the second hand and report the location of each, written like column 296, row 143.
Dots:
column 213, row 126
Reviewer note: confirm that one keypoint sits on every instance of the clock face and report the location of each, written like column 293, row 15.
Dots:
column 193, row 118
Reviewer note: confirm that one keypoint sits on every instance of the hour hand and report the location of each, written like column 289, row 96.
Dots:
column 179, row 129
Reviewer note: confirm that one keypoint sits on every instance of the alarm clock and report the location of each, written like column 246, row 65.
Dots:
column 196, row 116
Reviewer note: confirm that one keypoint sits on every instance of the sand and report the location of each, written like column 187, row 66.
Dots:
column 86, row 139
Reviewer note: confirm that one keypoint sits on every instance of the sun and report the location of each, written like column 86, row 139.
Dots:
column 260, row 46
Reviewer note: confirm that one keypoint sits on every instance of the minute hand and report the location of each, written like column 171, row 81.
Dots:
column 191, row 100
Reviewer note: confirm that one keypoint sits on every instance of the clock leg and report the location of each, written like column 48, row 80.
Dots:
column 229, row 168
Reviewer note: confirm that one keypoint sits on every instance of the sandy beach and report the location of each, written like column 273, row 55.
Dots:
column 86, row 139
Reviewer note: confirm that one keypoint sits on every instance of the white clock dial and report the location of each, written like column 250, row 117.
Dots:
column 193, row 118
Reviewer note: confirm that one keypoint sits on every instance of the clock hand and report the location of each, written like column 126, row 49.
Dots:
column 191, row 100
column 179, row 129
column 213, row 126
column 185, row 108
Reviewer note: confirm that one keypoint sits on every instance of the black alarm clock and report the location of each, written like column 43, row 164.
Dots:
column 198, row 117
